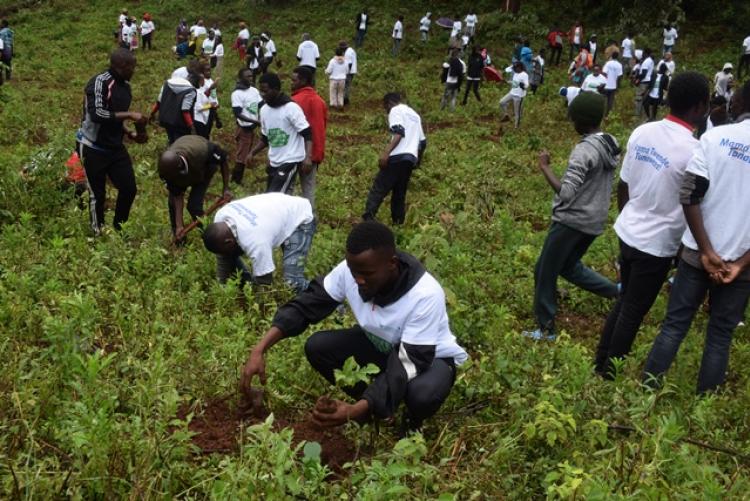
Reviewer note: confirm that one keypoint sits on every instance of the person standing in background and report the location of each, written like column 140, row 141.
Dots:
column 471, row 21
column 6, row 54
column 147, row 31
column 397, row 35
column 575, row 37
column 628, row 53
column 424, row 27
column 670, row 37
column 350, row 56
column 360, row 23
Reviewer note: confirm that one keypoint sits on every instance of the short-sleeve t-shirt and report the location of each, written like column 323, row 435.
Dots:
column 456, row 28
column 746, row 46
column 418, row 317
column 208, row 46
column 613, row 69
column 471, row 20
column 572, row 93
column 424, row 24
column 515, row 84
column 398, row 30
column 654, row 165
column 263, row 222
column 350, row 56
column 404, row 121
column 648, row 66
column 723, row 158
column 627, row 48
column 269, row 48
column 308, row 53
column 248, row 100
column 281, row 125
column 147, row 27
column 670, row 35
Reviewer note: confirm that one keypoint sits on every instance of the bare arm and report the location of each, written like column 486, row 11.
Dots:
column 552, row 180
column 623, row 195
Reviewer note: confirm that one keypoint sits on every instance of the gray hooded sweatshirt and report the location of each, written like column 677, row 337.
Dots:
column 586, row 187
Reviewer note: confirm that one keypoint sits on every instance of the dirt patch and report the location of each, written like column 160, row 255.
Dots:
column 431, row 127
column 218, row 423
column 353, row 139
column 39, row 137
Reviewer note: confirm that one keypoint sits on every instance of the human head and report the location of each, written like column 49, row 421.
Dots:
column 211, row 34
column 4, row 23
column 593, row 38
column 390, row 100
column 242, row 25
column 122, row 62
column 401, row 18
column 218, row 239
column 269, row 87
column 339, row 51
column 518, row 67
column 586, row 111
column 343, row 44
column 371, row 258
column 305, row 37
column 740, row 103
column 195, row 79
column 200, row 22
column 455, row 52
column 727, row 68
column 171, row 165
column 647, row 52
column 597, row 70
column 428, row 15
column 667, row 56
column 688, row 96
column 264, row 36
column 526, row 43
column 630, row 34
column 542, row 52
column 218, row 40
column 207, row 71
column 301, row 77
column 245, row 76
column 615, row 56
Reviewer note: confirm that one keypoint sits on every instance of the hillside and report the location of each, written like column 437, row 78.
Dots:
column 111, row 345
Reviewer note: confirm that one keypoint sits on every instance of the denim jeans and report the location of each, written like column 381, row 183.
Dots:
column 642, row 276
column 728, row 303
column 294, row 255
column 295, row 250
column 360, row 38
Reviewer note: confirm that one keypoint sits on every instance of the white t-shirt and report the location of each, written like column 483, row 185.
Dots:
column 244, row 34
column 208, row 46
column 122, row 19
column 670, row 35
column 418, row 317
column 654, row 92
column 128, row 32
column 197, row 31
column 282, row 125
column 2, row 44
column 350, row 56
column 404, row 119
column 456, row 28
column 147, row 27
column 653, row 167
column 247, row 99
column 577, row 35
column 202, row 107
column 648, row 65
column 613, row 69
column 471, row 20
column 572, row 93
column 515, row 84
column 308, row 53
column 262, row 222
column 671, row 65
column 212, row 95
column 721, row 83
column 723, row 157
column 627, row 48
column 337, row 69
column 593, row 82
column 398, row 30
column 363, row 22
column 424, row 24
column 270, row 49
column 746, row 45
column 219, row 50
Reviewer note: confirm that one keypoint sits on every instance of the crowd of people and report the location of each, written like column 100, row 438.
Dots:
column 681, row 196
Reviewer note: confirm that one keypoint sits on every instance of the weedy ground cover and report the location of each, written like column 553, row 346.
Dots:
column 114, row 350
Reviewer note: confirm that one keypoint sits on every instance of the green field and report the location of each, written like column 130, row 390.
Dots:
column 111, row 345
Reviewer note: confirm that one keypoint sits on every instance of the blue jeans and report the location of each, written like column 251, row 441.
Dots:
column 294, row 255
column 359, row 38
column 295, row 250
column 728, row 303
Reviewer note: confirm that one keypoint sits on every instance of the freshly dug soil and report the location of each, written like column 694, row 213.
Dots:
column 218, row 422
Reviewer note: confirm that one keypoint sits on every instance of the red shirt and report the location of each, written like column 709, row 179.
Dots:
column 316, row 113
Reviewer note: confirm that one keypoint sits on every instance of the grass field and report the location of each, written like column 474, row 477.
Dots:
column 111, row 345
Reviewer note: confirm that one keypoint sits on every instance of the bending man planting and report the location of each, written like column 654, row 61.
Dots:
column 402, row 327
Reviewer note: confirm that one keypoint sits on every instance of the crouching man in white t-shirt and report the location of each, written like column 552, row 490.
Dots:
column 402, row 328
column 254, row 226
column 716, row 254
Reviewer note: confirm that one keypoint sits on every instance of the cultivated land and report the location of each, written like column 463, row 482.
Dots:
column 110, row 346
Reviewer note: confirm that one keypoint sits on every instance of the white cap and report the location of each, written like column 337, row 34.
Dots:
column 728, row 66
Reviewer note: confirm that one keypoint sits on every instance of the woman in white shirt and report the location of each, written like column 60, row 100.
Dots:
column 217, row 60
column 337, row 70
column 397, row 35
column 208, row 44
column 518, row 85
column 147, row 30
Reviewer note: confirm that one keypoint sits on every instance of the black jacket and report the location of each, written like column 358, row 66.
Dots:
column 388, row 389
column 105, row 95
column 475, row 66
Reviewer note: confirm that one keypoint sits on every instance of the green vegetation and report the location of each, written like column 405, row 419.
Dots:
column 104, row 342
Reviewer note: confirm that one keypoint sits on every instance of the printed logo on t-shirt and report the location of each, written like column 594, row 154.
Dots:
column 736, row 149
column 248, row 214
column 277, row 138
column 649, row 155
column 252, row 109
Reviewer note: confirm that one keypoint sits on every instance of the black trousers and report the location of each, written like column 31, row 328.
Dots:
column 555, row 54
column 744, row 64
column 394, row 179
column 472, row 85
column 194, row 200
column 642, row 276
column 281, row 178
column 203, row 130
column 117, row 166
column 328, row 350
column 147, row 40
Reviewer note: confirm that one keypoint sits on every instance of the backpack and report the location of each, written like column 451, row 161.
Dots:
column 170, row 108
